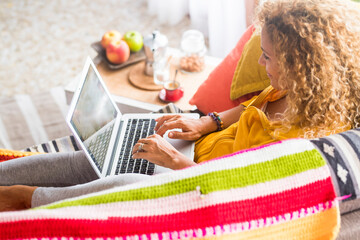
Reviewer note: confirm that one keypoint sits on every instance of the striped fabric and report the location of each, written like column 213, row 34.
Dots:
column 64, row 144
column 26, row 120
column 171, row 108
column 342, row 152
column 278, row 191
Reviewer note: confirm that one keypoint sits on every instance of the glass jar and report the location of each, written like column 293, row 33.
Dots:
column 193, row 51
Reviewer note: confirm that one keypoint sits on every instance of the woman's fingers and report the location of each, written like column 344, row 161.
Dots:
column 175, row 121
column 160, row 121
column 157, row 150
column 140, row 146
column 137, row 155
column 168, row 125
column 190, row 128
column 189, row 136
column 144, row 144
column 153, row 148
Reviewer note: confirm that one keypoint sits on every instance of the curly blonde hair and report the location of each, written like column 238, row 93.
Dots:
column 317, row 44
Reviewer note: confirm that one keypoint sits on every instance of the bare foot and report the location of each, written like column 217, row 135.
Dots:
column 17, row 197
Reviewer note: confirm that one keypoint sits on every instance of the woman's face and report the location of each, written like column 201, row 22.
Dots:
column 269, row 60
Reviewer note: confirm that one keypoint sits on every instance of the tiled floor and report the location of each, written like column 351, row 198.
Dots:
column 44, row 44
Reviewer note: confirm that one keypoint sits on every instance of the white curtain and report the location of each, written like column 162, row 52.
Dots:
column 169, row 11
column 222, row 21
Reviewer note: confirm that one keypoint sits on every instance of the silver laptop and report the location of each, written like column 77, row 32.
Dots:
column 107, row 136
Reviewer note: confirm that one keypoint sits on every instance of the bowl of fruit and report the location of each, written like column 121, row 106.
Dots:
column 118, row 50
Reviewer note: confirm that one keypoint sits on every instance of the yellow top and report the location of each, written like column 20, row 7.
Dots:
column 253, row 129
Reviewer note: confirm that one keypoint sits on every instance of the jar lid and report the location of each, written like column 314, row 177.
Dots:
column 192, row 41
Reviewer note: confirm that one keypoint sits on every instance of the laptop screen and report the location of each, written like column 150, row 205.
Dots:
column 93, row 117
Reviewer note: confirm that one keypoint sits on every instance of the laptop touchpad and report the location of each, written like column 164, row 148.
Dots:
column 182, row 146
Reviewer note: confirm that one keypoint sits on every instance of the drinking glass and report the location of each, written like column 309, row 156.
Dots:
column 161, row 72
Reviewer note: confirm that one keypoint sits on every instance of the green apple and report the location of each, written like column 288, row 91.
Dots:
column 134, row 39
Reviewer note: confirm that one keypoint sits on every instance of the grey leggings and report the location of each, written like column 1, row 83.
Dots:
column 59, row 176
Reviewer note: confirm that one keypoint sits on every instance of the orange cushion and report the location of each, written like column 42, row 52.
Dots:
column 214, row 93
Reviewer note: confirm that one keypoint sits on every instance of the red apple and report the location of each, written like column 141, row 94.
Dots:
column 110, row 36
column 118, row 52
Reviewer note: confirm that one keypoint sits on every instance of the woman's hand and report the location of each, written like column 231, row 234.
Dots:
column 157, row 150
column 192, row 129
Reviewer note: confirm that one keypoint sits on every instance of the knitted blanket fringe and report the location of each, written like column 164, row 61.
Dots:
column 278, row 191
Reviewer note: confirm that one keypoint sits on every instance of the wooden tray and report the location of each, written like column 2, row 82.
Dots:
column 134, row 57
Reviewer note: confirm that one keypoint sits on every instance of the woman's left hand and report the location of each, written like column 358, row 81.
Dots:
column 157, row 150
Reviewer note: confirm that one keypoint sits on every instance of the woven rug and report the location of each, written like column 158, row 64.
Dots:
column 26, row 120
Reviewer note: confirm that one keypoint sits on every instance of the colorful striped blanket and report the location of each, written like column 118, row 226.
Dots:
column 278, row 191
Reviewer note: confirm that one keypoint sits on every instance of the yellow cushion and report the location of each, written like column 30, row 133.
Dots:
column 249, row 75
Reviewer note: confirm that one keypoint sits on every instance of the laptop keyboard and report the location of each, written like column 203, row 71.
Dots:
column 97, row 147
column 135, row 130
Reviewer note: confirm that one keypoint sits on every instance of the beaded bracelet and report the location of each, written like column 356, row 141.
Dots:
column 215, row 116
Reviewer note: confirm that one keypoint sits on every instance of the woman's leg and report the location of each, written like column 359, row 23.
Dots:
column 17, row 197
column 46, row 195
column 48, row 170
column 20, row 197
column 60, row 176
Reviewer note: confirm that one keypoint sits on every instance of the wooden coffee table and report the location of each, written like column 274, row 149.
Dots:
column 132, row 99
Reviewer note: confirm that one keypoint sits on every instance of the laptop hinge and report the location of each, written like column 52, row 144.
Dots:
column 113, row 153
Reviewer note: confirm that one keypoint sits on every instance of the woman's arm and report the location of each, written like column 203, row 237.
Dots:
column 193, row 129
column 232, row 115
column 157, row 150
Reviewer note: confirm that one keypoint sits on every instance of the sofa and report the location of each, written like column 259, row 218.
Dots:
column 325, row 177
column 317, row 187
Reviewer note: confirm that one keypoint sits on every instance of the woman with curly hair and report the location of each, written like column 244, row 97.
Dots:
column 311, row 51
column 317, row 48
